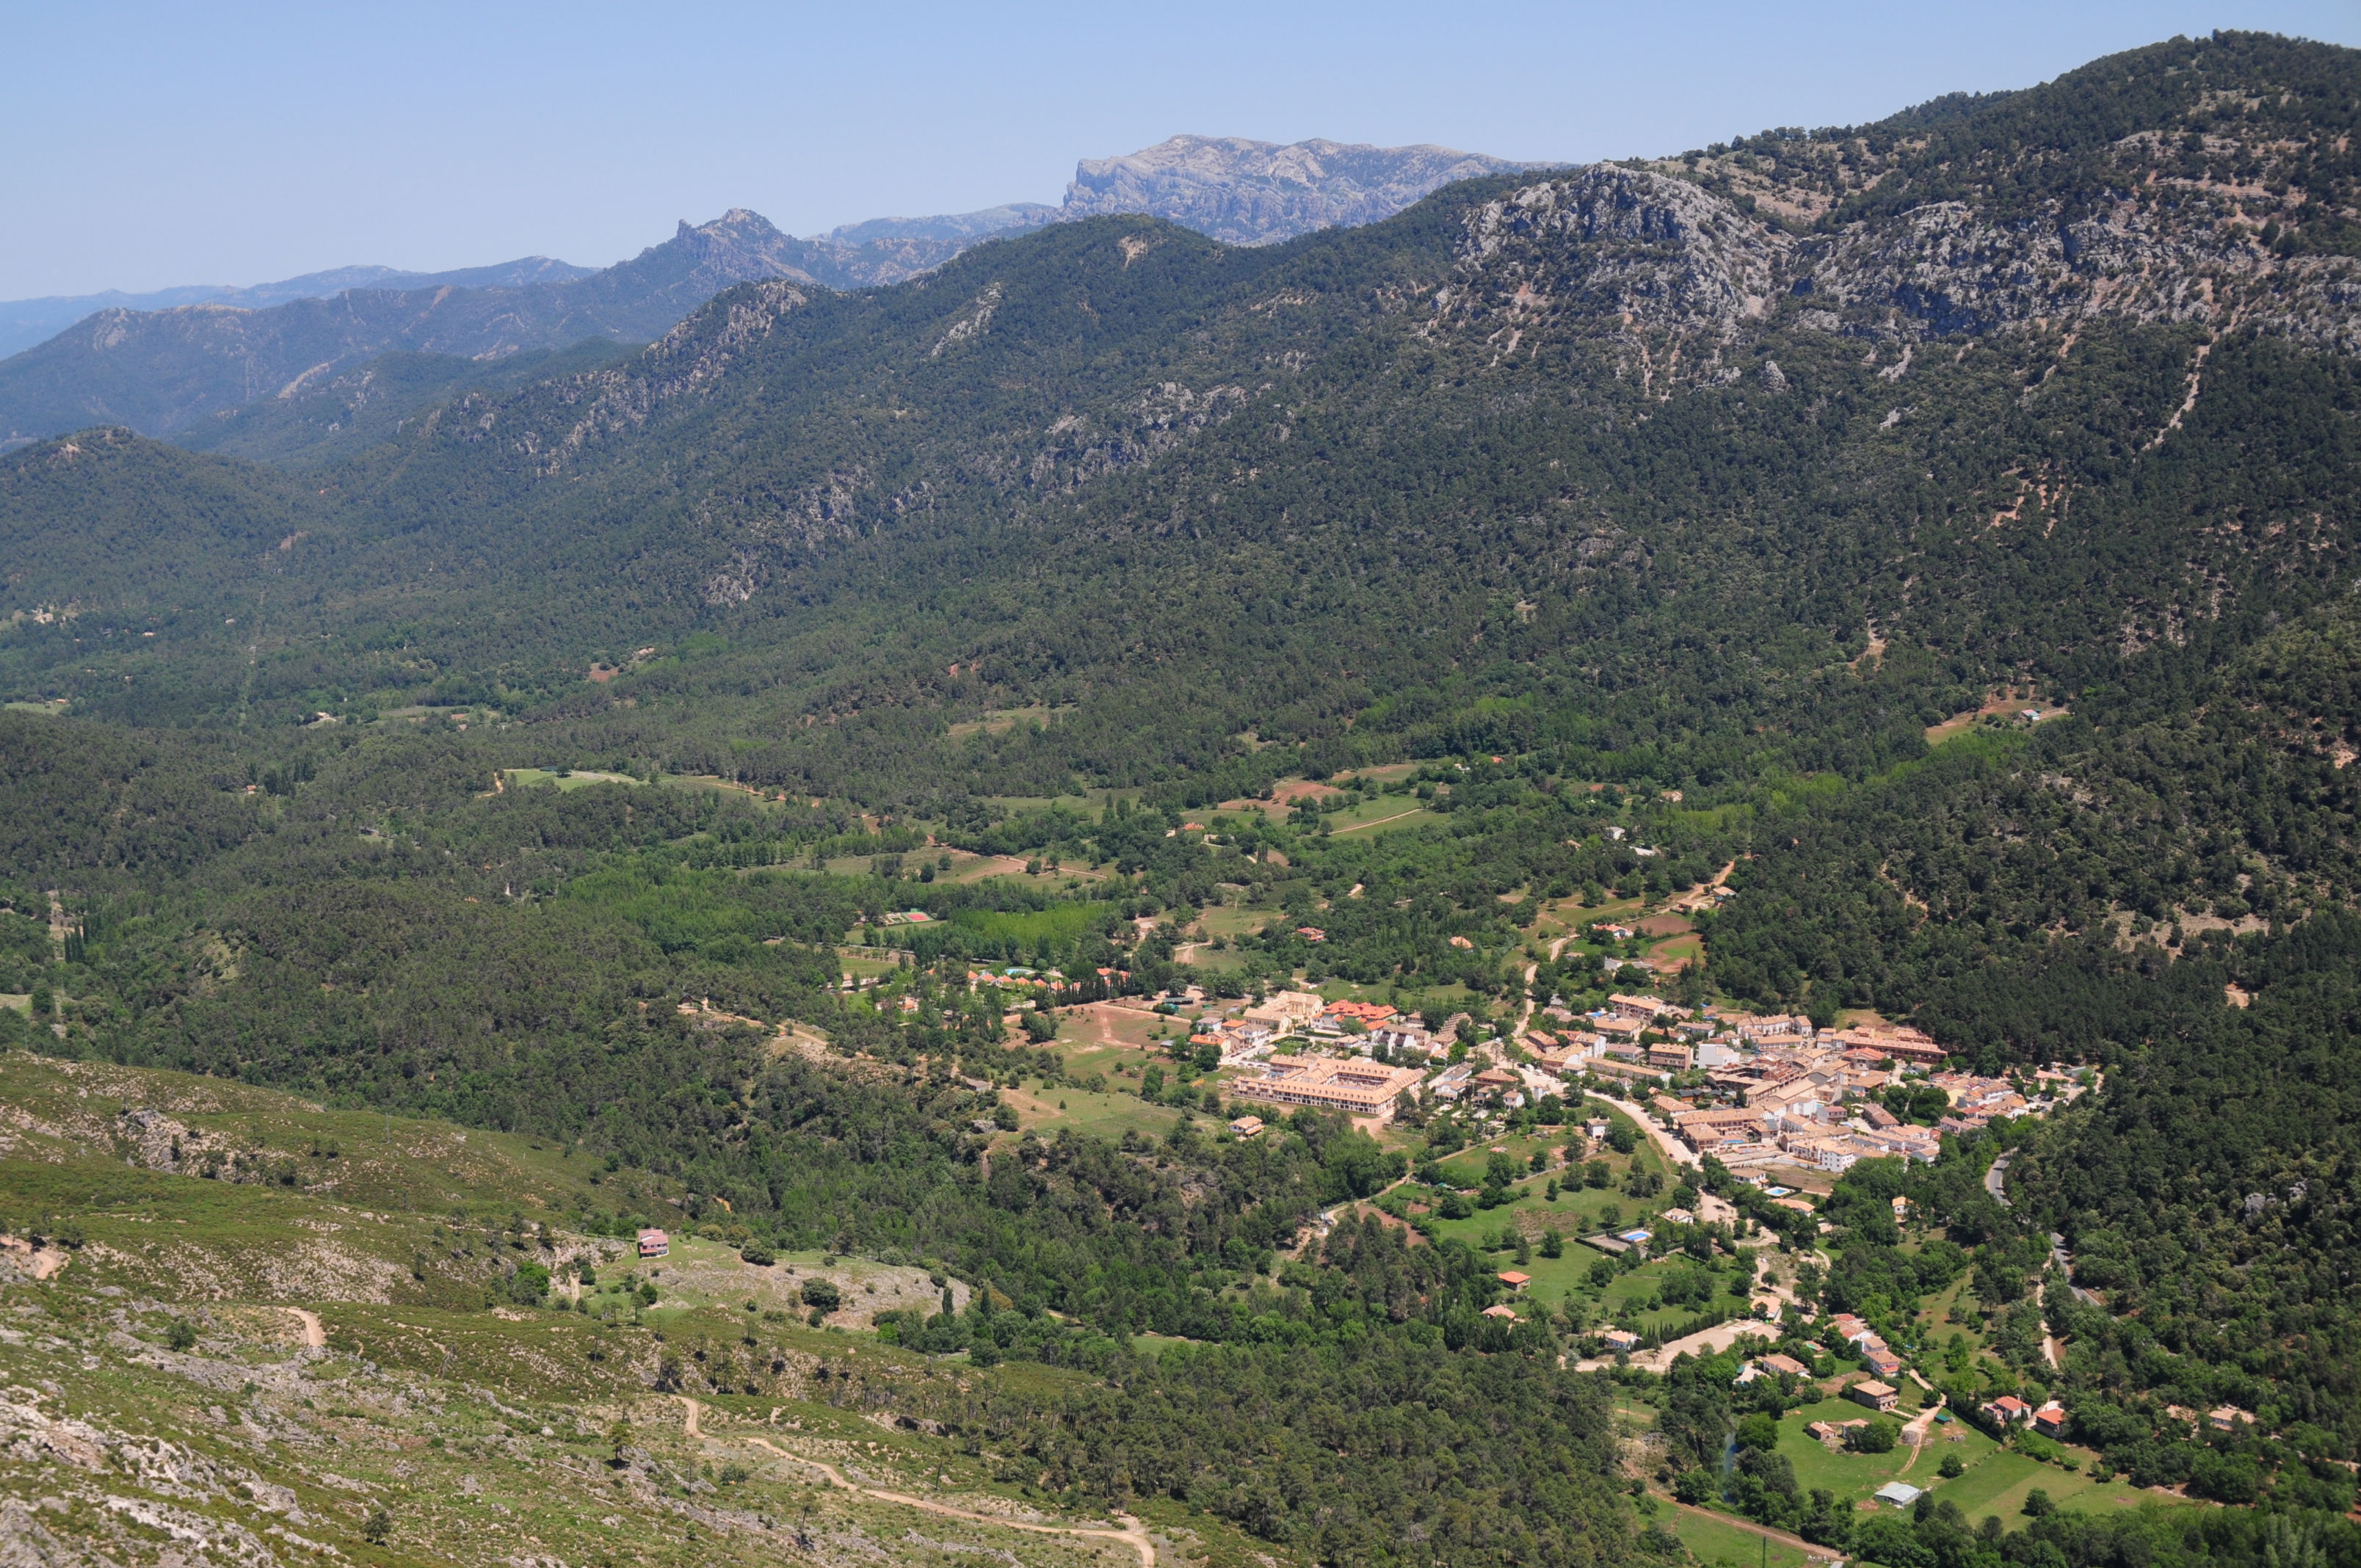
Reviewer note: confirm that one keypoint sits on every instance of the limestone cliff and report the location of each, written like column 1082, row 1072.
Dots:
column 1257, row 192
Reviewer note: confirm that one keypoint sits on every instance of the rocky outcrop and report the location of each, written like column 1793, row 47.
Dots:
column 1943, row 268
column 1669, row 273
column 1609, row 252
column 1255, row 192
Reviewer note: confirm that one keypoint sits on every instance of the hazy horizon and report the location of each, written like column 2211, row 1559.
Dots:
column 282, row 142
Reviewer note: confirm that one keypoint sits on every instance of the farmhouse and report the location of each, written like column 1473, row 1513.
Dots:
column 1876, row 1396
column 654, row 1244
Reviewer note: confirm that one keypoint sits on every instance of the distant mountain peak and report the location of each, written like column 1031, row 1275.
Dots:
column 1243, row 192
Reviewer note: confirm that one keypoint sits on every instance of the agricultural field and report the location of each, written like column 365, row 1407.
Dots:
column 1729, row 1543
column 1385, row 814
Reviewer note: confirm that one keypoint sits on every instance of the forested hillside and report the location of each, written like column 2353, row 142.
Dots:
column 1904, row 571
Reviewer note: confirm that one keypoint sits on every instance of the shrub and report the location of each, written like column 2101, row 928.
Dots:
column 1874, row 1437
column 822, row 1295
column 1953, row 1467
column 2038, row 1503
column 182, row 1335
column 530, row 1283
column 758, row 1255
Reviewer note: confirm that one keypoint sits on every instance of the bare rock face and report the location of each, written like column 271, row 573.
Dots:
column 1667, row 272
column 1257, row 192
column 1610, row 252
column 1945, row 269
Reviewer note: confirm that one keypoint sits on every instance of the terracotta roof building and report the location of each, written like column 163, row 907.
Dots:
column 1351, row 1084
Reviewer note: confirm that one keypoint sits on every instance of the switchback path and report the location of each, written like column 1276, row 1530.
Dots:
column 1133, row 1534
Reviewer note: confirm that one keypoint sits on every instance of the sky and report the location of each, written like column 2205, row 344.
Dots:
column 153, row 144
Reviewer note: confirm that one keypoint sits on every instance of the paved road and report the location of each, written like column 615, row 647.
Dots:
column 1992, row 1180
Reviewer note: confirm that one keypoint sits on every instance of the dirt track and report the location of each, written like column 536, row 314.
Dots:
column 1134, row 1534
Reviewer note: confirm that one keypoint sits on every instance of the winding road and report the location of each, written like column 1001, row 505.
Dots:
column 1133, row 1534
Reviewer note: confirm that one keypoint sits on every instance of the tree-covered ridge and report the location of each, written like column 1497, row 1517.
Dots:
column 2233, row 109
column 1098, row 548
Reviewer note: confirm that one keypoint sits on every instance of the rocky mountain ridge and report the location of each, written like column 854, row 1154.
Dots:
column 2204, row 217
column 1257, row 193
column 165, row 371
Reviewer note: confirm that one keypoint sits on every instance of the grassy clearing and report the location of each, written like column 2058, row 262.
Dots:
column 1387, row 813
column 1997, row 1482
column 1851, row 1476
column 1725, row 1543
column 1230, row 920
column 1048, row 1112
column 533, row 778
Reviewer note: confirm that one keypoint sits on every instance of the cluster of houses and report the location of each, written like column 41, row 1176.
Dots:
column 1793, row 1094
column 1782, row 1093
column 2008, row 1411
column 1366, row 1027
column 1872, row 1348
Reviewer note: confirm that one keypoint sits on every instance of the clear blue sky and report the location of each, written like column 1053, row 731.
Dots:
column 147, row 145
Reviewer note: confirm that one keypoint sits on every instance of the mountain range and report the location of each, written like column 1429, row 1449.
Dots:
column 23, row 323
column 162, row 363
column 821, row 785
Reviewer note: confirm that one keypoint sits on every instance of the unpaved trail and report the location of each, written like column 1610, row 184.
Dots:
column 315, row 1334
column 1818, row 1554
column 1913, row 1432
column 1380, row 822
column 1133, row 1534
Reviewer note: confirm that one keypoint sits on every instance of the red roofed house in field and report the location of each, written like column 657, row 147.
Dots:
column 2051, row 1420
column 654, row 1244
column 1514, row 1280
column 2008, row 1411
column 1876, row 1396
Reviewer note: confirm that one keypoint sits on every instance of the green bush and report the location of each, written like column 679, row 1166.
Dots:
column 530, row 1283
column 1876, row 1437
column 822, row 1294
